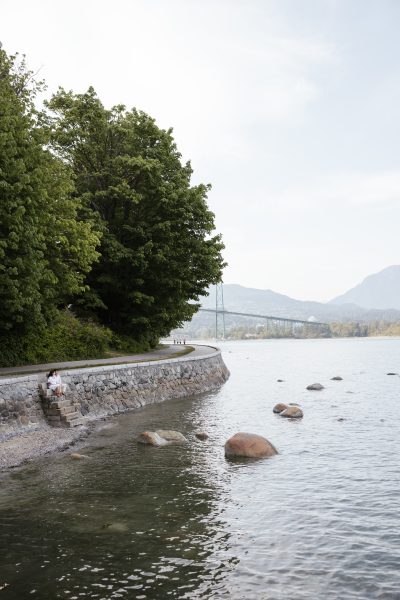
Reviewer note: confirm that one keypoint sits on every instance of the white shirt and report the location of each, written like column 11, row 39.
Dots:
column 54, row 381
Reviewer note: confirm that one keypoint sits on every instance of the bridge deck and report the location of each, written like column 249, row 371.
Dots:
column 268, row 317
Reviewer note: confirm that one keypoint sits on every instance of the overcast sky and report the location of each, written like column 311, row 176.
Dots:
column 290, row 108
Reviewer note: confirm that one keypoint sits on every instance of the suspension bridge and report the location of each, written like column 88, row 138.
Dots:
column 289, row 324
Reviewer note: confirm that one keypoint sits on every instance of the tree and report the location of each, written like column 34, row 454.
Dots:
column 158, row 251
column 45, row 252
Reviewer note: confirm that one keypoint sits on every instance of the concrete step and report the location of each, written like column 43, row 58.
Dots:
column 70, row 416
column 74, row 422
column 60, row 403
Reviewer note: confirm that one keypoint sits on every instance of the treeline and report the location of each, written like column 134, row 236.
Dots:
column 331, row 330
column 104, row 242
column 276, row 331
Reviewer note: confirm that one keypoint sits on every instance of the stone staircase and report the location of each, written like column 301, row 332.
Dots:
column 59, row 410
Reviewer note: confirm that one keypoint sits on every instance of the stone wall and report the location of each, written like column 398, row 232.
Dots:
column 108, row 390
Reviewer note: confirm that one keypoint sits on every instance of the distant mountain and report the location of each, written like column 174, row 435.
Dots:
column 238, row 298
column 378, row 291
column 266, row 302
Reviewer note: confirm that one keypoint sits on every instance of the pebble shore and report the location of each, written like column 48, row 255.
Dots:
column 20, row 449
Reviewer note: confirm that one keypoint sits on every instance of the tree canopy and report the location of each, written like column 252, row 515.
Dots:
column 45, row 250
column 158, row 251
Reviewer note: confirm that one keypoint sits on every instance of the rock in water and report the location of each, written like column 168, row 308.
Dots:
column 278, row 408
column 174, row 437
column 315, row 386
column 201, row 435
column 77, row 456
column 391, row 373
column 337, row 378
column 280, row 380
column 151, row 438
column 118, row 527
column 292, row 412
column 249, row 445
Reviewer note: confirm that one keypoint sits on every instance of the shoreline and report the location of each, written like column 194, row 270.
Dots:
column 99, row 392
column 21, row 449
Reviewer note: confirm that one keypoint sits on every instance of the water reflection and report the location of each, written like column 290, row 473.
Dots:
column 317, row 521
column 127, row 518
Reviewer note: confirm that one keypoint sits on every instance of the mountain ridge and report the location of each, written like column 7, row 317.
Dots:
column 239, row 298
column 377, row 291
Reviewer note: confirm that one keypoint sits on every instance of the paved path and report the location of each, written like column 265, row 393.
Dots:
column 168, row 351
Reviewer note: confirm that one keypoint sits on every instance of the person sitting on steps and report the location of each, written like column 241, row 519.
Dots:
column 54, row 383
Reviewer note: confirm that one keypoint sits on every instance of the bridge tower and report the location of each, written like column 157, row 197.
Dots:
column 219, row 312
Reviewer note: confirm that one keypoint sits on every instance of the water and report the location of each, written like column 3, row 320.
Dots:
column 319, row 521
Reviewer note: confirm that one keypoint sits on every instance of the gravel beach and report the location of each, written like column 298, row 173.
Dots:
column 20, row 449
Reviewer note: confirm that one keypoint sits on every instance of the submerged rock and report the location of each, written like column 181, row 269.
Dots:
column 174, row 437
column 292, row 412
column 278, row 408
column 151, row 438
column 315, row 386
column 391, row 373
column 280, row 380
column 76, row 456
column 249, row 445
column 117, row 527
column 337, row 378
column 201, row 435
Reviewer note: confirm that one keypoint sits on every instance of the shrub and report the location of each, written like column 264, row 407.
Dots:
column 66, row 339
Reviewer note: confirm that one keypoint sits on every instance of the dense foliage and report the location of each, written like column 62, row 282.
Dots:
column 68, row 338
column 157, row 251
column 45, row 251
column 97, row 213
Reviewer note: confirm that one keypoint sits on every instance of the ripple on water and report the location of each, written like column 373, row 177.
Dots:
column 317, row 521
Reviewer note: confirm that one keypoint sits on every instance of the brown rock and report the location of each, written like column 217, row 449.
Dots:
column 151, row 438
column 278, row 408
column 292, row 412
column 174, row 437
column 77, row 456
column 249, row 445
column 315, row 386
column 201, row 435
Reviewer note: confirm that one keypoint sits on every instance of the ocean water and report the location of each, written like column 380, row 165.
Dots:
column 318, row 521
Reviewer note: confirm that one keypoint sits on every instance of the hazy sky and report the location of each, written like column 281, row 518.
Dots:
column 290, row 108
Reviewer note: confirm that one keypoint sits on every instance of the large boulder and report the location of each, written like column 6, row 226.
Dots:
column 292, row 412
column 151, row 438
column 249, row 445
column 315, row 386
column 278, row 408
column 174, row 437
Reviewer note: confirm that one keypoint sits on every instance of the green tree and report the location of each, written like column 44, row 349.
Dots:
column 158, row 251
column 45, row 252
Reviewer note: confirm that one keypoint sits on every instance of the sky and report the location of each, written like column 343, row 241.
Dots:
column 289, row 108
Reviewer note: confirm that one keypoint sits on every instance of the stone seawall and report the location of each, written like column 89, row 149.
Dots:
column 107, row 390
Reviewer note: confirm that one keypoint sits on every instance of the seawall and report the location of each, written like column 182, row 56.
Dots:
column 110, row 389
